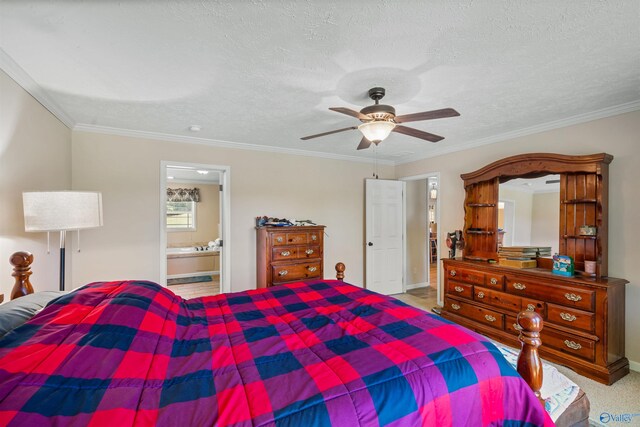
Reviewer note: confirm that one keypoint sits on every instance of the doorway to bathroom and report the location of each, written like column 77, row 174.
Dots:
column 194, row 228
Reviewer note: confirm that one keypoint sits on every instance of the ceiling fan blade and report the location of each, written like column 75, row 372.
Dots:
column 304, row 138
column 417, row 133
column 427, row 115
column 350, row 112
column 364, row 143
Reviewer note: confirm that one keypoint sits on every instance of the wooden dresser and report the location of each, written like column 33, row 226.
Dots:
column 584, row 317
column 288, row 254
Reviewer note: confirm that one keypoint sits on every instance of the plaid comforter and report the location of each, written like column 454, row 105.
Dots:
column 304, row 354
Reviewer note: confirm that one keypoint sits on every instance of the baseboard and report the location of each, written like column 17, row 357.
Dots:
column 195, row 273
column 417, row 285
column 634, row 366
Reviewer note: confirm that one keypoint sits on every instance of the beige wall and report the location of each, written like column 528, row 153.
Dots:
column 207, row 217
column 618, row 136
column 35, row 155
column 127, row 171
column 417, row 234
column 522, row 204
column 545, row 220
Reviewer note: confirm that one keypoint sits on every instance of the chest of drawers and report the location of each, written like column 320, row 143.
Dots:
column 583, row 317
column 289, row 254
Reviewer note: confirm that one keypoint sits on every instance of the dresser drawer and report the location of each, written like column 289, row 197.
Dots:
column 568, row 343
column 571, row 317
column 309, row 252
column 494, row 281
column 497, row 299
column 460, row 289
column 284, row 252
column 290, row 272
column 464, row 275
column 482, row 315
column 511, row 325
column 529, row 304
column 314, row 237
column 571, row 297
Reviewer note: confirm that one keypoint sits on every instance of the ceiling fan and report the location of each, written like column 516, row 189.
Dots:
column 379, row 120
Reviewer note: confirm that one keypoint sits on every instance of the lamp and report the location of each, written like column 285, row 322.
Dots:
column 61, row 211
column 433, row 193
column 377, row 130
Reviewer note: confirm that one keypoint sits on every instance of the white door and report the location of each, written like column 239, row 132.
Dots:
column 384, row 235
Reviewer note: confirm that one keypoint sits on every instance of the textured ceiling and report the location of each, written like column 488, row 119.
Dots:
column 265, row 72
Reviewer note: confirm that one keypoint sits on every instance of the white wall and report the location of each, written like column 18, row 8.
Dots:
column 618, row 136
column 545, row 220
column 522, row 204
column 127, row 171
column 417, row 232
column 35, row 155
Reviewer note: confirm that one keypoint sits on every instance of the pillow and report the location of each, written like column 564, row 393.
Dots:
column 18, row 311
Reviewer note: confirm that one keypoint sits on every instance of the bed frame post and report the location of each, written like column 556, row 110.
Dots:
column 529, row 362
column 340, row 267
column 21, row 262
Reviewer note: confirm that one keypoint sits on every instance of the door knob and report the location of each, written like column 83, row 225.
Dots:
column 370, row 243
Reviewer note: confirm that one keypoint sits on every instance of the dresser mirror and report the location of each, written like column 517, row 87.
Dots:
column 582, row 205
column 529, row 212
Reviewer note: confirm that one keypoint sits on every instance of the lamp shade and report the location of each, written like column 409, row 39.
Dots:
column 62, row 210
column 376, row 131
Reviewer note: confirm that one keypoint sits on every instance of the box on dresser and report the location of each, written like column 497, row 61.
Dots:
column 288, row 254
column 584, row 317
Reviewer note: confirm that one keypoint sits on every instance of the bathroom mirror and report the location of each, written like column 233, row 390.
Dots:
column 529, row 212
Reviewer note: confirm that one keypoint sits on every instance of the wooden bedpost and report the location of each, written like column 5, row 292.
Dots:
column 529, row 362
column 340, row 267
column 21, row 262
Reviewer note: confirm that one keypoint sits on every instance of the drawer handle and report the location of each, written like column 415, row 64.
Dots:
column 285, row 253
column 568, row 317
column 312, row 269
column 573, row 297
column 531, row 307
column 517, row 327
column 283, row 273
column 308, row 251
column 480, row 294
column 452, row 272
column 520, row 286
column 489, row 318
column 572, row 345
column 459, row 289
column 494, row 281
column 455, row 306
column 314, row 237
column 279, row 239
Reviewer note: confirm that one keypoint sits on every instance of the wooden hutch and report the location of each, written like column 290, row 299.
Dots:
column 584, row 315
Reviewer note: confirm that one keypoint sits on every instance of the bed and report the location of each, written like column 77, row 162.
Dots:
column 313, row 353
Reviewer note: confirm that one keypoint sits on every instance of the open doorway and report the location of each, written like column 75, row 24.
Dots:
column 194, row 228
column 422, row 212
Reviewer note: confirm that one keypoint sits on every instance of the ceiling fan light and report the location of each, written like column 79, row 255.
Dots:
column 376, row 131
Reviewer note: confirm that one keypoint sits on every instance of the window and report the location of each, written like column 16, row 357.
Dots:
column 181, row 216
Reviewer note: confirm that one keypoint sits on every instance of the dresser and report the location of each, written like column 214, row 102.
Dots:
column 288, row 254
column 583, row 317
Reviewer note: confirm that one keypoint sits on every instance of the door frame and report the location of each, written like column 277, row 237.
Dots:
column 225, row 219
column 426, row 176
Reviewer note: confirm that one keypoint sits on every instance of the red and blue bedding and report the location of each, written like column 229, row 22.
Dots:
column 304, row 354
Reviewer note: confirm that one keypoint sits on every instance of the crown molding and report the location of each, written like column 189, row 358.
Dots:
column 81, row 127
column 17, row 73
column 556, row 124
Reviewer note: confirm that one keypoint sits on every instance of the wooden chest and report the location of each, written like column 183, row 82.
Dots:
column 289, row 254
column 583, row 317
